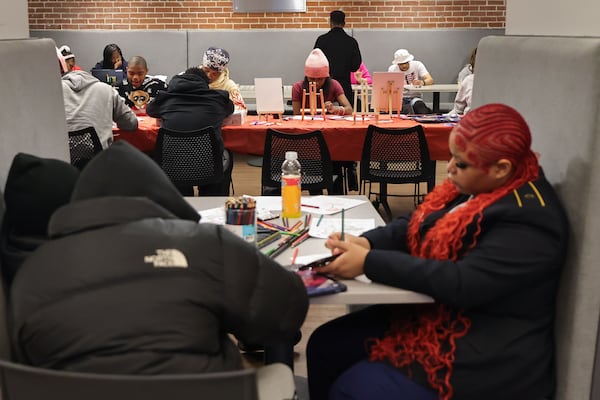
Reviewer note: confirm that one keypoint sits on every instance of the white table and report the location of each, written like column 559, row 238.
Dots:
column 436, row 89
column 358, row 292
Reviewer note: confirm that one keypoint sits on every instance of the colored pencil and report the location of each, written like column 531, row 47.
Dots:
column 268, row 240
column 342, row 224
column 320, row 219
column 300, row 240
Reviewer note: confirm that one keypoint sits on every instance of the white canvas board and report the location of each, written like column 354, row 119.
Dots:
column 269, row 95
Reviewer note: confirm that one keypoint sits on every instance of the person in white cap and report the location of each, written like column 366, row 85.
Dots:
column 69, row 58
column 215, row 63
column 415, row 74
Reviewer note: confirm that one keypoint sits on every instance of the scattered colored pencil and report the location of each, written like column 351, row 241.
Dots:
column 343, row 223
column 320, row 219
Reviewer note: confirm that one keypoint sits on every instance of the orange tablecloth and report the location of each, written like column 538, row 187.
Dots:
column 344, row 138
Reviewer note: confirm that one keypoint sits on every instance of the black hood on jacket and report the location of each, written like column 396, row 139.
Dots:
column 188, row 83
column 123, row 171
column 35, row 188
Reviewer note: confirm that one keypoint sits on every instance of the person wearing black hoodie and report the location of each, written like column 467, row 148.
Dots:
column 188, row 105
column 35, row 187
column 131, row 283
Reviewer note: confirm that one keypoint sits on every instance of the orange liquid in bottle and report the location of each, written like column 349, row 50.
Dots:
column 290, row 196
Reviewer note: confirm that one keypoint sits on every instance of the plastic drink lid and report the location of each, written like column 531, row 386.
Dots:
column 291, row 155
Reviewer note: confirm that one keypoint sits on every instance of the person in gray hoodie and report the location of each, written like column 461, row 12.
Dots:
column 89, row 102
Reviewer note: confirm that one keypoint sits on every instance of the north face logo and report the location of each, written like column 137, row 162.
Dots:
column 167, row 258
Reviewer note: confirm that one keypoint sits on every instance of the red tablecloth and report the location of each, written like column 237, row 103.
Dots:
column 344, row 138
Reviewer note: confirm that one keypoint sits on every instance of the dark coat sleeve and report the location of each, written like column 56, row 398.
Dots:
column 517, row 248
column 153, row 108
column 263, row 301
column 356, row 58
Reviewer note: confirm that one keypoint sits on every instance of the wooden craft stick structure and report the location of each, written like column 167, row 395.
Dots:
column 363, row 93
column 388, row 94
column 312, row 100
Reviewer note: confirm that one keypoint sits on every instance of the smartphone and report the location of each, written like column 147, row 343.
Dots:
column 319, row 263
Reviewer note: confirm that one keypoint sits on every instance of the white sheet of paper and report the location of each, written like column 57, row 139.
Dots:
column 213, row 216
column 328, row 204
column 353, row 226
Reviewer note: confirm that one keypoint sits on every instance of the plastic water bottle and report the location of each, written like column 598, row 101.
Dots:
column 290, row 186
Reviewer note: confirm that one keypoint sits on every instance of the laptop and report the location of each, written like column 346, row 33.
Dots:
column 112, row 77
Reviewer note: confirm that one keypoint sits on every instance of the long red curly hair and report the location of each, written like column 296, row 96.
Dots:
column 486, row 134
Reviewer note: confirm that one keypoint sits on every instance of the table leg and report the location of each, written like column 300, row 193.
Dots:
column 384, row 201
column 282, row 352
column 436, row 102
column 255, row 162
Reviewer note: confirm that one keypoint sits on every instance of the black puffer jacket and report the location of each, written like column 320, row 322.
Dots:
column 133, row 284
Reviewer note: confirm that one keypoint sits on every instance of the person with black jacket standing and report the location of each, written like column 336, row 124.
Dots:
column 341, row 50
column 344, row 58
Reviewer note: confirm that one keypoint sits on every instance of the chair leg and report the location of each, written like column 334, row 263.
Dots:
column 383, row 199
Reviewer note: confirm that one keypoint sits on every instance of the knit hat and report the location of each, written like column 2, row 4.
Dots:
column 215, row 58
column 316, row 65
column 402, row 56
column 61, row 62
column 66, row 52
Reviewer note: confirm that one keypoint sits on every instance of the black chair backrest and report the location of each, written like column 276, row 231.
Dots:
column 22, row 382
column 396, row 156
column 190, row 158
column 313, row 155
column 84, row 144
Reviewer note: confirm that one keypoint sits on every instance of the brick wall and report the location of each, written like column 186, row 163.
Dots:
column 189, row 15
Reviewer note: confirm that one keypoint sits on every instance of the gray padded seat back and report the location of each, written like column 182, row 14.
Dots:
column 555, row 83
column 33, row 121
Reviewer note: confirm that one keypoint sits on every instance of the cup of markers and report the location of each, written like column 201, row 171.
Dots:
column 240, row 217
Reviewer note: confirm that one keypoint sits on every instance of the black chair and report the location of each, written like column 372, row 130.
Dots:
column 22, row 382
column 84, row 144
column 313, row 156
column 194, row 158
column 396, row 156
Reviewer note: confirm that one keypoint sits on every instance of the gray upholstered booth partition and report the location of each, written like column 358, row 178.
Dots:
column 268, row 53
column 165, row 51
column 555, row 84
column 32, row 114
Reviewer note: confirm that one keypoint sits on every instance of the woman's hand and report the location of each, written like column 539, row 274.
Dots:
column 337, row 237
column 353, row 253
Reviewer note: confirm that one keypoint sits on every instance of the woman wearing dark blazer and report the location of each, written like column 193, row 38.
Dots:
column 488, row 245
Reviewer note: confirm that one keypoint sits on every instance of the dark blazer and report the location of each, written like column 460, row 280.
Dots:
column 506, row 285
